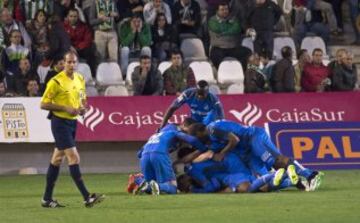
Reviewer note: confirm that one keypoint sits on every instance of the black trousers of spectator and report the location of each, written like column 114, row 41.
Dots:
column 264, row 42
column 336, row 5
column 89, row 54
column 240, row 53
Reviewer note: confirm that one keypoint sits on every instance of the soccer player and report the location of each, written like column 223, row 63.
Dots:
column 184, row 127
column 254, row 147
column 209, row 176
column 155, row 161
column 205, row 107
column 65, row 98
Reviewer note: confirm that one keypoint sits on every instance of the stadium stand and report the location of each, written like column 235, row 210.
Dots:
column 230, row 72
column 84, row 70
column 235, row 89
column 203, row 71
column 163, row 66
column 109, row 74
column 116, row 91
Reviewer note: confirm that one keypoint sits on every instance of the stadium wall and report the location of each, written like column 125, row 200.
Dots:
column 96, row 157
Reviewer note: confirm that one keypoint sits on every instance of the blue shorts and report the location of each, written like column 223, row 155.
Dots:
column 233, row 164
column 157, row 166
column 64, row 131
column 234, row 180
column 258, row 167
column 263, row 148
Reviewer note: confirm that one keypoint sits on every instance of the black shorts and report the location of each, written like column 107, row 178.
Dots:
column 64, row 131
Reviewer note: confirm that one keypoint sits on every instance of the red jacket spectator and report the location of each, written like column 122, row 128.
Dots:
column 80, row 35
column 300, row 2
column 18, row 13
column 313, row 75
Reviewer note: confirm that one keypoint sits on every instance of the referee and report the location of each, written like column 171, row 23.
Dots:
column 65, row 98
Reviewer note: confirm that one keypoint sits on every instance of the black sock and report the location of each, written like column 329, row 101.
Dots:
column 51, row 176
column 76, row 175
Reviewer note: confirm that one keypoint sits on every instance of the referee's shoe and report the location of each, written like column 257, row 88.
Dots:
column 94, row 199
column 51, row 204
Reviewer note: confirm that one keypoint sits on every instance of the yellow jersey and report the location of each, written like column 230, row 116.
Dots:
column 64, row 91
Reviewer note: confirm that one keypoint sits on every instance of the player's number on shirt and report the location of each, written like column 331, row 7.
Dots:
column 155, row 138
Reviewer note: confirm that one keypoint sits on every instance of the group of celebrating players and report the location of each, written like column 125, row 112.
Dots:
column 218, row 155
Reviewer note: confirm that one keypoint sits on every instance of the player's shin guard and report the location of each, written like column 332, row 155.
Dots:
column 301, row 170
column 76, row 175
column 51, row 177
column 168, row 188
column 259, row 182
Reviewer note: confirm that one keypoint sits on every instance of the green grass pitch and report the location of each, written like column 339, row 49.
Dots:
column 338, row 200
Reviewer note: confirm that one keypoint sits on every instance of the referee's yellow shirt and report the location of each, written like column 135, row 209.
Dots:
column 64, row 91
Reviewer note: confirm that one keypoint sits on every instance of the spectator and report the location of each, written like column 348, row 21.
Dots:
column 81, row 38
column 86, row 7
column 339, row 55
column 9, row 4
column 56, row 67
column 58, row 39
column 102, row 17
column 62, row 8
column 354, row 13
column 147, row 80
column 283, row 77
column 263, row 17
column 178, row 77
column 268, row 64
column 152, row 8
column 24, row 73
column 315, row 74
column 326, row 10
column 187, row 16
column 302, row 24
column 255, row 80
column 225, row 33
column 135, row 40
column 2, row 88
column 212, row 7
column 337, row 8
column 127, row 8
column 33, row 88
column 38, row 30
column 14, row 53
column 240, row 9
column 2, row 43
column 345, row 74
column 303, row 58
column 8, row 24
column 164, row 38
column 29, row 9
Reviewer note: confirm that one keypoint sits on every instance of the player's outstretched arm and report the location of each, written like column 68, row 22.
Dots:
column 233, row 140
column 167, row 116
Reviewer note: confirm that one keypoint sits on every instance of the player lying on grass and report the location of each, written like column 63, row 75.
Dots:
column 254, row 147
column 209, row 176
column 155, row 161
column 205, row 107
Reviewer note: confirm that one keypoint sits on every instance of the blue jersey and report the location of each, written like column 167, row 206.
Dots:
column 163, row 142
column 205, row 182
column 200, row 109
column 220, row 129
column 170, row 127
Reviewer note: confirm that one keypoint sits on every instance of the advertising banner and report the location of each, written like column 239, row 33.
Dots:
column 319, row 145
column 136, row 118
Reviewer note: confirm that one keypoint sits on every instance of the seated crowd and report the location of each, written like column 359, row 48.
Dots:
column 36, row 34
